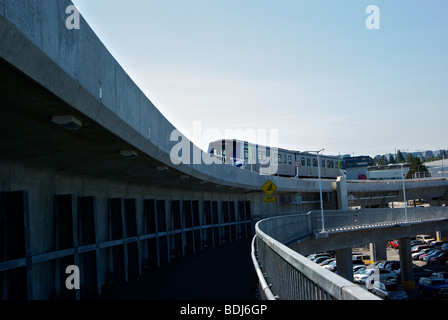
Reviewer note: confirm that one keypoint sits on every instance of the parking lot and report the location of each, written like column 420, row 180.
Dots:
column 392, row 254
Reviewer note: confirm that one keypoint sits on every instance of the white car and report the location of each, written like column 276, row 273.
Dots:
column 425, row 238
column 379, row 275
column 361, row 275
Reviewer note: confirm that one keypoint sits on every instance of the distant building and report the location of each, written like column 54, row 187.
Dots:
column 357, row 167
column 389, row 172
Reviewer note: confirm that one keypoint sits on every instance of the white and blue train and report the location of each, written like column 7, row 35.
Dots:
column 274, row 161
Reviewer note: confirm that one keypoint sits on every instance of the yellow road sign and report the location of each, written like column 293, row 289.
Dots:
column 269, row 199
column 268, row 187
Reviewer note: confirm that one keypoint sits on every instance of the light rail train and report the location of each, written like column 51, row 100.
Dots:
column 274, row 161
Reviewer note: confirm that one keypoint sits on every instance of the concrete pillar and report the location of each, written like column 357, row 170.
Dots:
column 378, row 251
column 407, row 273
column 344, row 263
column 442, row 235
column 341, row 189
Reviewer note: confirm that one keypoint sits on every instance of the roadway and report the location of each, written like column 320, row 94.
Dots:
column 223, row 273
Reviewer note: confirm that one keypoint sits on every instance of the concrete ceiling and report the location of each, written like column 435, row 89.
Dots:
column 28, row 135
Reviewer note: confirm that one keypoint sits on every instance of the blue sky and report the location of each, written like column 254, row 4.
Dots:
column 309, row 69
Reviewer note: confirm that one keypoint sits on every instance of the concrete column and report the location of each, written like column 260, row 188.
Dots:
column 407, row 273
column 341, row 189
column 344, row 263
column 378, row 251
column 442, row 235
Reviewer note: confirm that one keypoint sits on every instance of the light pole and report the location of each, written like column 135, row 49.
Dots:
column 404, row 193
column 320, row 188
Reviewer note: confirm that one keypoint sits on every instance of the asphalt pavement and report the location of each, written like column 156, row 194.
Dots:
column 223, row 273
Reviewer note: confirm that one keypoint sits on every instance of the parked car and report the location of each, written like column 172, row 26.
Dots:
column 439, row 275
column 389, row 290
column 316, row 255
column 425, row 238
column 439, row 244
column 423, row 256
column 416, row 255
column 331, row 266
column 379, row 275
column 417, row 242
column 389, row 264
column 361, row 276
column 421, row 246
column 358, row 267
column 444, row 247
column 440, row 258
column 435, row 287
column 418, row 272
column 321, row 259
column 394, row 244
column 432, row 254
column 327, row 261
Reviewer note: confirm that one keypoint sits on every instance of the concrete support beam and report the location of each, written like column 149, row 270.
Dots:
column 341, row 188
column 344, row 262
column 442, row 235
column 378, row 251
column 407, row 273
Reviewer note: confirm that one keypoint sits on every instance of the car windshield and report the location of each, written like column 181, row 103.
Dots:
column 439, row 282
column 366, row 271
column 393, row 287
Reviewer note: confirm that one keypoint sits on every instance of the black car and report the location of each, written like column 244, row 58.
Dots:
column 418, row 272
column 390, row 264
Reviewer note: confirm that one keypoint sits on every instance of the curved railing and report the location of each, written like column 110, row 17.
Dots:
column 285, row 274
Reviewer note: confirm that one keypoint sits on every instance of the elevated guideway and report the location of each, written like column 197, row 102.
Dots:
column 367, row 193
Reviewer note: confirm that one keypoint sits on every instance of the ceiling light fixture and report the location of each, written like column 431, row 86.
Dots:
column 67, row 121
column 130, row 154
column 162, row 168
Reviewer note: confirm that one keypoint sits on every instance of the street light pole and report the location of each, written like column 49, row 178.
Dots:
column 320, row 189
column 404, row 194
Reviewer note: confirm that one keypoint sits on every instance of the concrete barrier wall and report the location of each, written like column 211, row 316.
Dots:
column 112, row 231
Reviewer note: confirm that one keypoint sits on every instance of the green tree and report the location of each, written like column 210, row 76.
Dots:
column 416, row 166
column 400, row 157
column 409, row 158
column 391, row 159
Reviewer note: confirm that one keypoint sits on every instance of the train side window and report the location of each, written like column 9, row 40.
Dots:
column 303, row 161
column 308, row 162
column 289, row 160
column 314, row 162
column 279, row 158
column 328, row 164
column 323, row 163
column 332, row 164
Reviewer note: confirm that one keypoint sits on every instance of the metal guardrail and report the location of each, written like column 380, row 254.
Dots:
column 285, row 274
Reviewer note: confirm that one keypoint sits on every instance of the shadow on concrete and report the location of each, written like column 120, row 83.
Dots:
column 223, row 273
